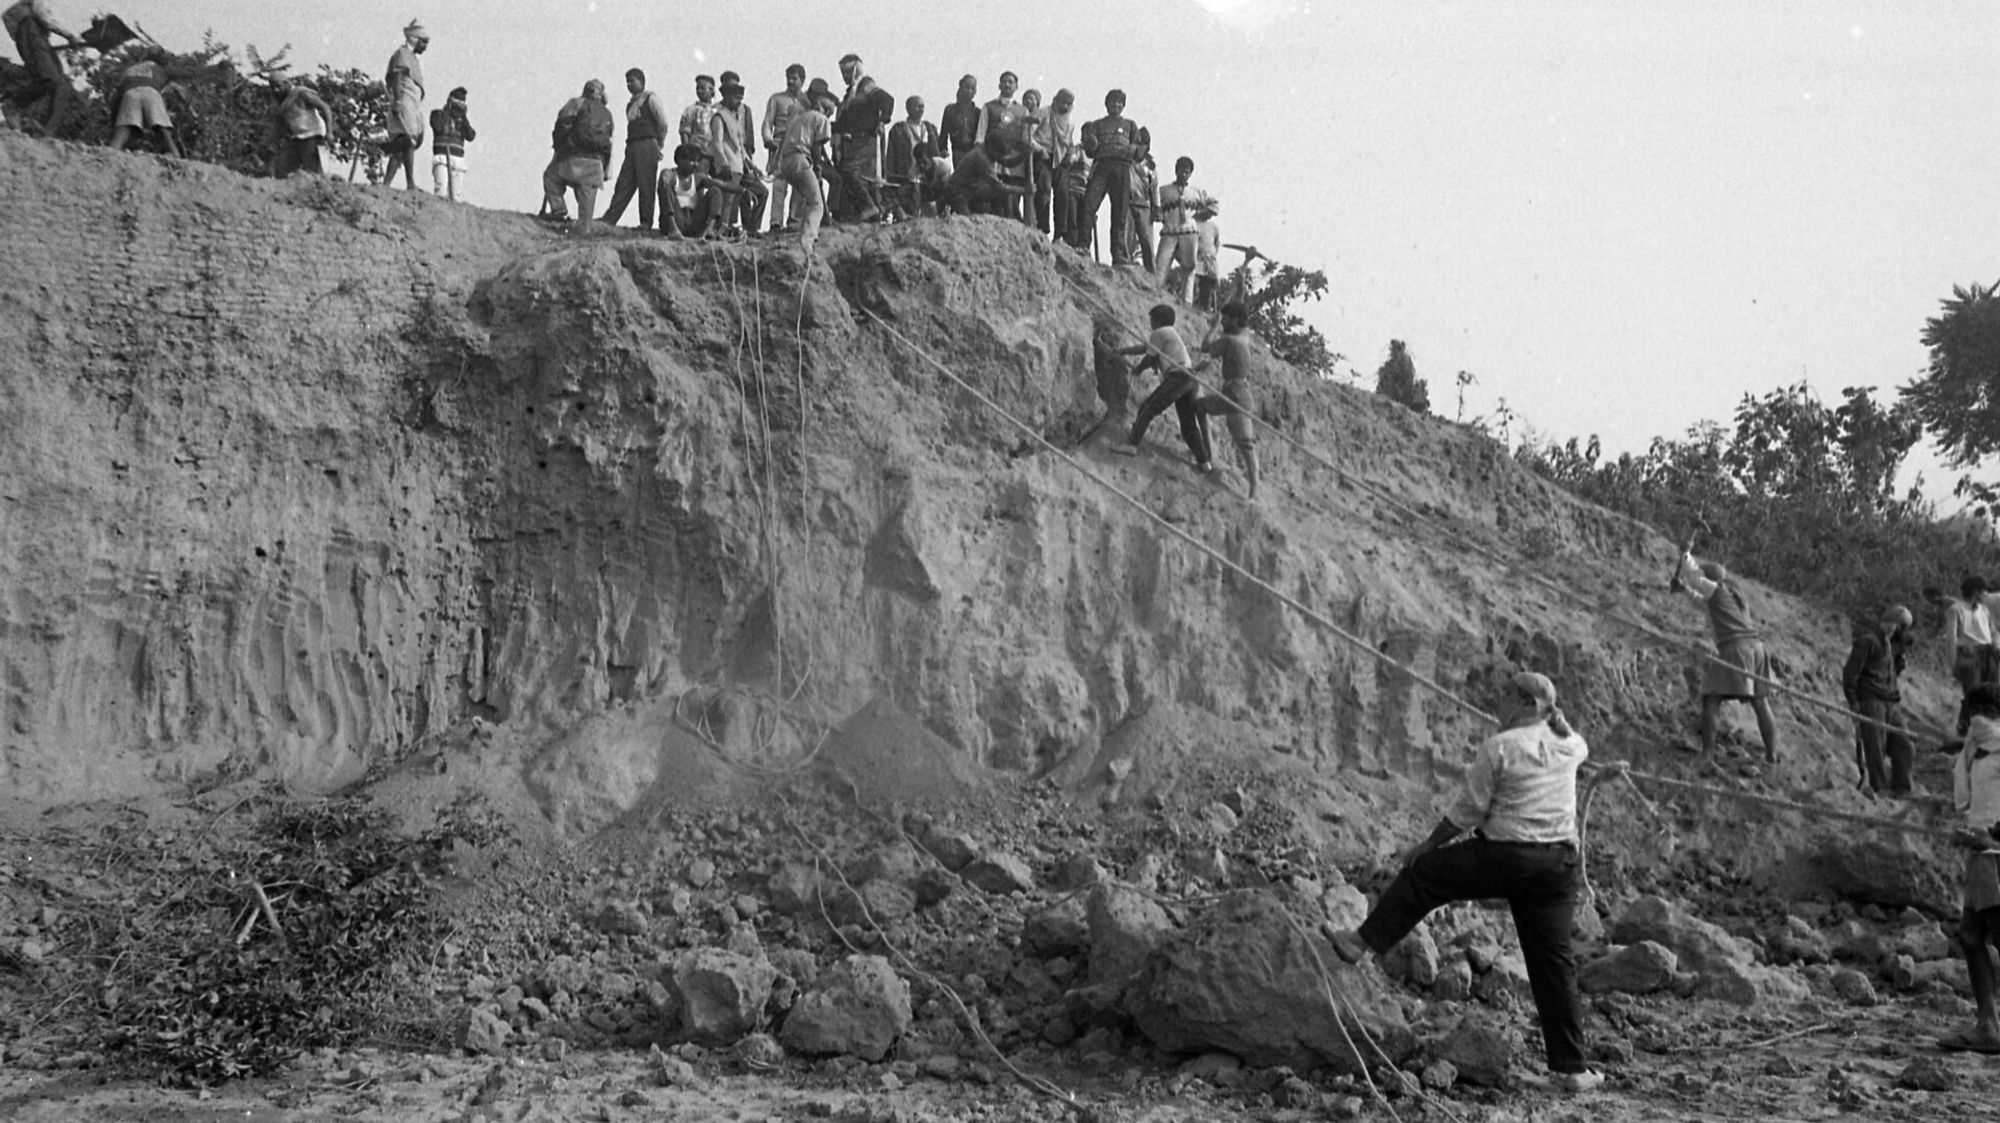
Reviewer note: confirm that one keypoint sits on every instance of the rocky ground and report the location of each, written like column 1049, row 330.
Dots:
column 803, row 956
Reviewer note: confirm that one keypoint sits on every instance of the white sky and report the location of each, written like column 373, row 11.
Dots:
column 1620, row 216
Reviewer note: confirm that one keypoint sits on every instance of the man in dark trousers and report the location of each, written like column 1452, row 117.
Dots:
column 648, row 123
column 1870, row 682
column 1741, row 669
column 1112, row 143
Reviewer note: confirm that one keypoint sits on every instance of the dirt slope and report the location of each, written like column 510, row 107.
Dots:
column 308, row 478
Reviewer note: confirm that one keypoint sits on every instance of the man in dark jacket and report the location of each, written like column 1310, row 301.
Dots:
column 451, row 129
column 1870, row 682
column 582, row 142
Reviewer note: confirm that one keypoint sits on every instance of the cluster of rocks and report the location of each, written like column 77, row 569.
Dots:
column 779, row 955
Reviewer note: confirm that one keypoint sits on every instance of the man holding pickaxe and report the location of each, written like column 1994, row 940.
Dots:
column 1741, row 670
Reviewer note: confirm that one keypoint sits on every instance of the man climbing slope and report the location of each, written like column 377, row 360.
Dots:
column 1741, row 668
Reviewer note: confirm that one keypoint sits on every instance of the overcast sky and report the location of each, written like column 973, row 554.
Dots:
column 1619, row 216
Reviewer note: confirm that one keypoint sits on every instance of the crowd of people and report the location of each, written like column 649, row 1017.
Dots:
column 718, row 170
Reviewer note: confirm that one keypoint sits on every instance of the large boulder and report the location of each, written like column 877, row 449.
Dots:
column 721, row 994
column 1000, row 872
column 1745, row 984
column 1126, row 927
column 1640, row 968
column 1060, row 929
column 1481, row 1053
column 1870, row 867
column 1698, row 944
column 858, row 1007
column 1247, row 978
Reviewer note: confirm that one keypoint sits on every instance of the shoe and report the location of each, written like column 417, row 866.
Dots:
column 1125, row 450
column 1346, row 942
column 1575, row 1082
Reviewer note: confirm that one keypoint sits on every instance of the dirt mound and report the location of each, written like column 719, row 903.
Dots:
column 314, row 477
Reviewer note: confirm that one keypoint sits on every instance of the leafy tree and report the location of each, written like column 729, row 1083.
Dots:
column 1396, row 379
column 1799, row 494
column 1958, row 397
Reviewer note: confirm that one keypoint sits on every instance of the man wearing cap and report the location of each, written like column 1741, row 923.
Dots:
column 695, row 118
column 1870, row 680
column 451, row 130
column 732, row 134
column 29, row 25
column 1518, row 805
column 778, row 113
column 582, row 142
column 1740, row 670
column 404, row 86
column 648, row 122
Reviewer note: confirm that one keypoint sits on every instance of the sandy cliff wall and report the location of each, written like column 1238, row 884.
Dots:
column 305, row 476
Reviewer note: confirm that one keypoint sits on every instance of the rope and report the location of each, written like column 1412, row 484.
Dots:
column 1315, row 617
column 1216, row 555
column 1600, row 606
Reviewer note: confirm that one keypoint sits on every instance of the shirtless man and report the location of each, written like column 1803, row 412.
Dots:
column 1235, row 402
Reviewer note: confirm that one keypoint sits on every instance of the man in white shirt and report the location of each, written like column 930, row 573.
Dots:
column 1975, row 660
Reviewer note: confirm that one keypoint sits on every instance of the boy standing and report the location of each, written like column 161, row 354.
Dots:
column 450, row 131
column 1165, row 349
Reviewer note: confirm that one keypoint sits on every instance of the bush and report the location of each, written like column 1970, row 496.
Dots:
column 1799, row 495
column 305, row 931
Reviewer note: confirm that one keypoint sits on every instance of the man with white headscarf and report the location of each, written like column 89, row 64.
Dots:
column 405, row 87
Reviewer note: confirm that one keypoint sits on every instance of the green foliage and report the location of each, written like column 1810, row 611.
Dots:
column 1396, row 379
column 290, row 937
column 1958, row 397
column 1798, row 495
column 225, row 113
column 1271, row 299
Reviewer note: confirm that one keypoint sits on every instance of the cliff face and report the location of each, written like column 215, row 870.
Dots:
column 304, row 477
